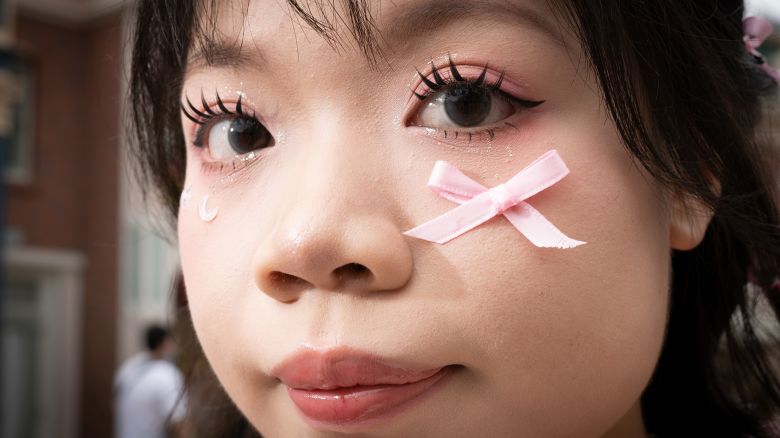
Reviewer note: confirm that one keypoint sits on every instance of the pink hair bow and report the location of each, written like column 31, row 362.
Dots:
column 756, row 30
column 480, row 204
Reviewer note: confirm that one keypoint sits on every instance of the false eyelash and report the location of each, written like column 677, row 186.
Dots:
column 456, row 79
column 204, row 116
column 439, row 82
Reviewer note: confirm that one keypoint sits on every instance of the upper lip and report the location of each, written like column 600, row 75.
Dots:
column 344, row 367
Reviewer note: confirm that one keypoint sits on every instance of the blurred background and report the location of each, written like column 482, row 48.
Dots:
column 86, row 269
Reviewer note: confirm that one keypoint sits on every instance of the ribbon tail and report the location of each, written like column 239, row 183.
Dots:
column 536, row 228
column 773, row 73
column 455, row 222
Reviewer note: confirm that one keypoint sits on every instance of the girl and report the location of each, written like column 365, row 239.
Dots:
column 333, row 293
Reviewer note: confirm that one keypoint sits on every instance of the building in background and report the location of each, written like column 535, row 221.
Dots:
column 84, row 270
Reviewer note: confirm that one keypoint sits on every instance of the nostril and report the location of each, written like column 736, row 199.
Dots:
column 286, row 279
column 283, row 287
column 352, row 271
column 355, row 267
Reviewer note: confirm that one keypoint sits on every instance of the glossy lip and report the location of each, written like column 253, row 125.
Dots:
column 345, row 389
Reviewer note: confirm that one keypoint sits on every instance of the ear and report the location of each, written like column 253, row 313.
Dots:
column 689, row 220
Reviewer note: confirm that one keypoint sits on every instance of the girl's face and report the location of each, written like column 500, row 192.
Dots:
column 306, row 252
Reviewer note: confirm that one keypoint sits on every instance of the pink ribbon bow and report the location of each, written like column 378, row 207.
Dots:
column 756, row 30
column 479, row 204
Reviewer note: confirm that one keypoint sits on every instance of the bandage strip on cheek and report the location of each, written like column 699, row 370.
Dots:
column 480, row 204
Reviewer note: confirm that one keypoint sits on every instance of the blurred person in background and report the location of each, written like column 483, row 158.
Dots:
column 148, row 390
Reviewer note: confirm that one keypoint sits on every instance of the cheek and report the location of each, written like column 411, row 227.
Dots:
column 233, row 322
column 214, row 259
column 203, row 260
column 562, row 330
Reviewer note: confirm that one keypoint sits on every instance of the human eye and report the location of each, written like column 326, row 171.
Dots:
column 226, row 138
column 466, row 103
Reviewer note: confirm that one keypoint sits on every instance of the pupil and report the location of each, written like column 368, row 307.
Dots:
column 467, row 106
column 246, row 135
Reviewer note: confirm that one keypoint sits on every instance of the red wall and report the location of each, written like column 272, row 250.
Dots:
column 72, row 202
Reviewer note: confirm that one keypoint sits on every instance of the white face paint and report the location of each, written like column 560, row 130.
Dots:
column 186, row 195
column 203, row 211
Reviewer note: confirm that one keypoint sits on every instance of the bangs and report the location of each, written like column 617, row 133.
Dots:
column 343, row 24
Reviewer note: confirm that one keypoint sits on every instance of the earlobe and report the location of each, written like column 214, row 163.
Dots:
column 688, row 223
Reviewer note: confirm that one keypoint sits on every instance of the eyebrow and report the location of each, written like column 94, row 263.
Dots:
column 225, row 54
column 411, row 24
column 424, row 18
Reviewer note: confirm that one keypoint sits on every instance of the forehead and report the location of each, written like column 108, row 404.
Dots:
column 248, row 32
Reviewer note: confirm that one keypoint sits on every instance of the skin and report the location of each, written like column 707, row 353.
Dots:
column 553, row 343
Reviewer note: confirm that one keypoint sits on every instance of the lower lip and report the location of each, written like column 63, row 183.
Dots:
column 359, row 405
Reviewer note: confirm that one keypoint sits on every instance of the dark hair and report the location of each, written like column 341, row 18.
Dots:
column 686, row 98
column 155, row 336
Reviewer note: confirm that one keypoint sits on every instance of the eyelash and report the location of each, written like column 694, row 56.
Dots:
column 209, row 115
column 207, row 118
column 442, row 83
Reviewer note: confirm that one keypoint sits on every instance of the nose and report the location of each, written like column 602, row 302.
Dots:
column 332, row 236
column 331, row 254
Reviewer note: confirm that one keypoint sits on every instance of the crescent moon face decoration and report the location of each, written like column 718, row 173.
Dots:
column 205, row 215
column 185, row 196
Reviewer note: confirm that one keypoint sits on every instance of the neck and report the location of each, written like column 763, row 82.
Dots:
column 630, row 426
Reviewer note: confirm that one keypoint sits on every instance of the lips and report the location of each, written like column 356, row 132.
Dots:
column 347, row 387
